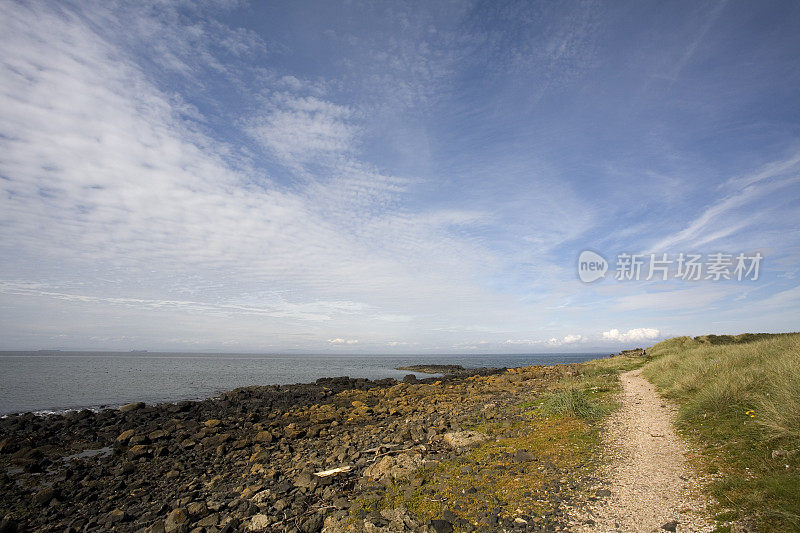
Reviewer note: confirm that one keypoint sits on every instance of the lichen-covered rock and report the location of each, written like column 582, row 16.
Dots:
column 391, row 468
column 464, row 439
column 125, row 435
column 132, row 407
column 259, row 522
column 177, row 520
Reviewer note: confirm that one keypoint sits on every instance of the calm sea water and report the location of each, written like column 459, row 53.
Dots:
column 56, row 381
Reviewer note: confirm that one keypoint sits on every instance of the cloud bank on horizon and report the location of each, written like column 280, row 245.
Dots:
column 412, row 177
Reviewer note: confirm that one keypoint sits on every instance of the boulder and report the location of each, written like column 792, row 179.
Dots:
column 259, row 522
column 8, row 446
column 209, row 521
column 158, row 434
column 391, row 468
column 8, row 525
column 132, row 406
column 464, row 439
column 44, row 496
column 264, row 436
column 215, row 440
column 197, row 509
column 177, row 520
column 306, row 480
column 116, row 516
column 440, row 526
column 125, row 436
column 156, row 527
column 262, row 496
column 140, row 450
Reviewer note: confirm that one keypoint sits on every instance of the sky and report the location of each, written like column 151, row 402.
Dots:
column 398, row 177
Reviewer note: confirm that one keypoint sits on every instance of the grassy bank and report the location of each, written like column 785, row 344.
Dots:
column 739, row 399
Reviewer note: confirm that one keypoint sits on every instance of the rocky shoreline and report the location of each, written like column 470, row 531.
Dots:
column 340, row 454
column 448, row 370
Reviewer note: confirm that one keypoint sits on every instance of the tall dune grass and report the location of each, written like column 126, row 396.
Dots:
column 740, row 396
column 760, row 374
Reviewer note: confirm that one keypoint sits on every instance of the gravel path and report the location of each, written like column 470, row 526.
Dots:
column 651, row 485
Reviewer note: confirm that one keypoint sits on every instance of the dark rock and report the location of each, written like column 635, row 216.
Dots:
column 523, row 456
column 216, row 440
column 672, row 525
column 433, row 369
column 44, row 496
column 8, row 446
column 281, row 504
column 209, row 521
column 306, row 480
column 341, row 503
column 132, row 407
column 283, row 487
column 441, row 526
column 156, row 527
column 116, row 516
column 8, row 525
column 313, row 524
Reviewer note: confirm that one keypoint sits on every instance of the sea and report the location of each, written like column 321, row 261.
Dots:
column 55, row 381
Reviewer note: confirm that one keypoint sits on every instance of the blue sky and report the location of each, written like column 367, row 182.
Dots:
column 392, row 177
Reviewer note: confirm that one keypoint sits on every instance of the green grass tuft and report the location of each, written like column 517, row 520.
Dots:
column 571, row 402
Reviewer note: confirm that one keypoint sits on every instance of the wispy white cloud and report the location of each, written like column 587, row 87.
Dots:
column 521, row 341
column 682, row 299
column 299, row 130
column 572, row 338
column 339, row 341
column 705, row 22
column 724, row 216
column 311, row 311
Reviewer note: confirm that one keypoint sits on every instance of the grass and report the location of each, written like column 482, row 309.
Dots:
column 571, row 402
column 739, row 399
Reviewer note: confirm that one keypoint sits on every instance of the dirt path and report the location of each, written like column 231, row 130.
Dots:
column 648, row 476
